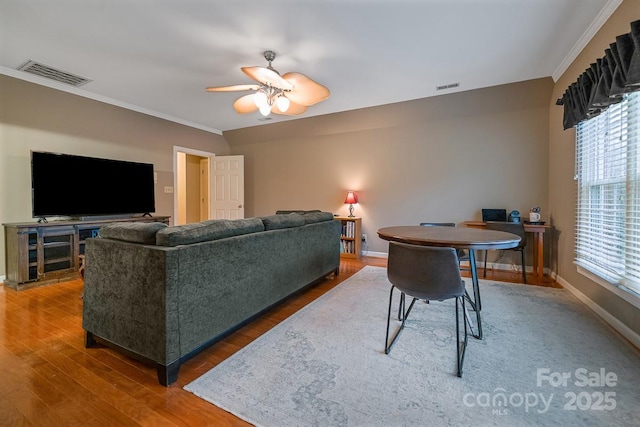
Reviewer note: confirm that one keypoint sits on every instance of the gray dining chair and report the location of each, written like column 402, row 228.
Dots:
column 430, row 274
column 516, row 228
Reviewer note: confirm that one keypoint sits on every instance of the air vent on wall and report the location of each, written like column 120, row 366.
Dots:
column 449, row 86
column 51, row 73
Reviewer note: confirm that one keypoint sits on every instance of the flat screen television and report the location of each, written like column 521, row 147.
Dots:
column 78, row 186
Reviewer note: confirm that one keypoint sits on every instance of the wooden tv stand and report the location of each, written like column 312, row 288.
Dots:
column 41, row 253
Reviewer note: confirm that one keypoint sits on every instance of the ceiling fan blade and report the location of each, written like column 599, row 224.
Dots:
column 267, row 76
column 232, row 88
column 293, row 110
column 245, row 104
column 305, row 91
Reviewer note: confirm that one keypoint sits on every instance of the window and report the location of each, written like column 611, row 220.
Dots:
column 608, row 210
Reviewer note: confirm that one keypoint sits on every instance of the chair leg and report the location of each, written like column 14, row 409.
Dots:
column 524, row 269
column 461, row 348
column 388, row 345
column 386, row 340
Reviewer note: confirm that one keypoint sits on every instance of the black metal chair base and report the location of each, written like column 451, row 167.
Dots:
column 461, row 347
column 402, row 316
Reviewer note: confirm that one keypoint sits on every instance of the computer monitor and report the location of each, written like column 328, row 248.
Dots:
column 494, row 215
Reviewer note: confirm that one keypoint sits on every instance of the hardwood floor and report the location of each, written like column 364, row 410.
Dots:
column 48, row 378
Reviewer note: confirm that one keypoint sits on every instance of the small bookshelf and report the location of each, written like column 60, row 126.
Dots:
column 350, row 236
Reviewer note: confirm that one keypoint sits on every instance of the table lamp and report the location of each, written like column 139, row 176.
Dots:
column 351, row 199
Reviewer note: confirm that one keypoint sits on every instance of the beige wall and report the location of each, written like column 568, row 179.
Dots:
column 34, row 117
column 562, row 191
column 435, row 159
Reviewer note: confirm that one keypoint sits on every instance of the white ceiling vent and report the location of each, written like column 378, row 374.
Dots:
column 51, row 73
column 449, row 86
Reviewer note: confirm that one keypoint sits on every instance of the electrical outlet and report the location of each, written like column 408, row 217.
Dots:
column 364, row 237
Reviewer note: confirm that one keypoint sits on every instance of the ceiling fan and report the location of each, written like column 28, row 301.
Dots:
column 289, row 94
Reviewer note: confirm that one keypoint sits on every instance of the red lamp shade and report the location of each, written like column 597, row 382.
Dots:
column 351, row 198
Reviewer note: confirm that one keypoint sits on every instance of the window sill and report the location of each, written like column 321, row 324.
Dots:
column 628, row 295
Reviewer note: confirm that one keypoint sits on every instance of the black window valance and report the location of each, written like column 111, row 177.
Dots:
column 605, row 81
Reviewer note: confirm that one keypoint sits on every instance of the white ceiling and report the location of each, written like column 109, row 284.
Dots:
column 157, row 56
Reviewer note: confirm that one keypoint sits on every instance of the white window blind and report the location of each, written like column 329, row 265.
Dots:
column 608, row 208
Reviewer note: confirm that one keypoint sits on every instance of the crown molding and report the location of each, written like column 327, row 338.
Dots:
column 586, row 37
column 86, row 94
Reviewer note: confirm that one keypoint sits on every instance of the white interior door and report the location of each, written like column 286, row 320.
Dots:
column 227, row 187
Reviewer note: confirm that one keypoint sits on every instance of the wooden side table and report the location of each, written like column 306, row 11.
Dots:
column 538, row 231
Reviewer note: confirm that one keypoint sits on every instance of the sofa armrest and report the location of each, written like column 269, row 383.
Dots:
column 130, row 297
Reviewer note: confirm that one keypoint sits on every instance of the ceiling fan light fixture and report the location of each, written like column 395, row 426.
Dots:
column 265, row 109
column 283, row 103
column 260, row 98
column 289, row 94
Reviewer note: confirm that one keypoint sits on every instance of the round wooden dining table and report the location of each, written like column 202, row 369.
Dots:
column 471, row 239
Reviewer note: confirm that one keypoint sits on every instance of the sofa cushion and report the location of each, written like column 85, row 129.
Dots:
column 298, row 211
column 274, row 222
column 213, row 229
column 137, row 232
column 313, row 217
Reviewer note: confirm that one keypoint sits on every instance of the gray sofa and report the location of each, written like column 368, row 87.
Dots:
column 164, row 293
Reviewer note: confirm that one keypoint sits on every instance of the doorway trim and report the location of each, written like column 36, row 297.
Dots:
column 176, row 150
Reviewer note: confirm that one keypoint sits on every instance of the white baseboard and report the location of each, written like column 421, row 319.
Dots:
column 616, row 324
column 2, row 278
column 508, row 267
column 375, row 254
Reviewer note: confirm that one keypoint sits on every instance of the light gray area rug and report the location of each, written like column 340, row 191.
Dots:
column 545, row 360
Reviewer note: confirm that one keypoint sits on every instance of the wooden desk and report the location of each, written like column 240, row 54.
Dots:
column 459, row 238
column 538, row 245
